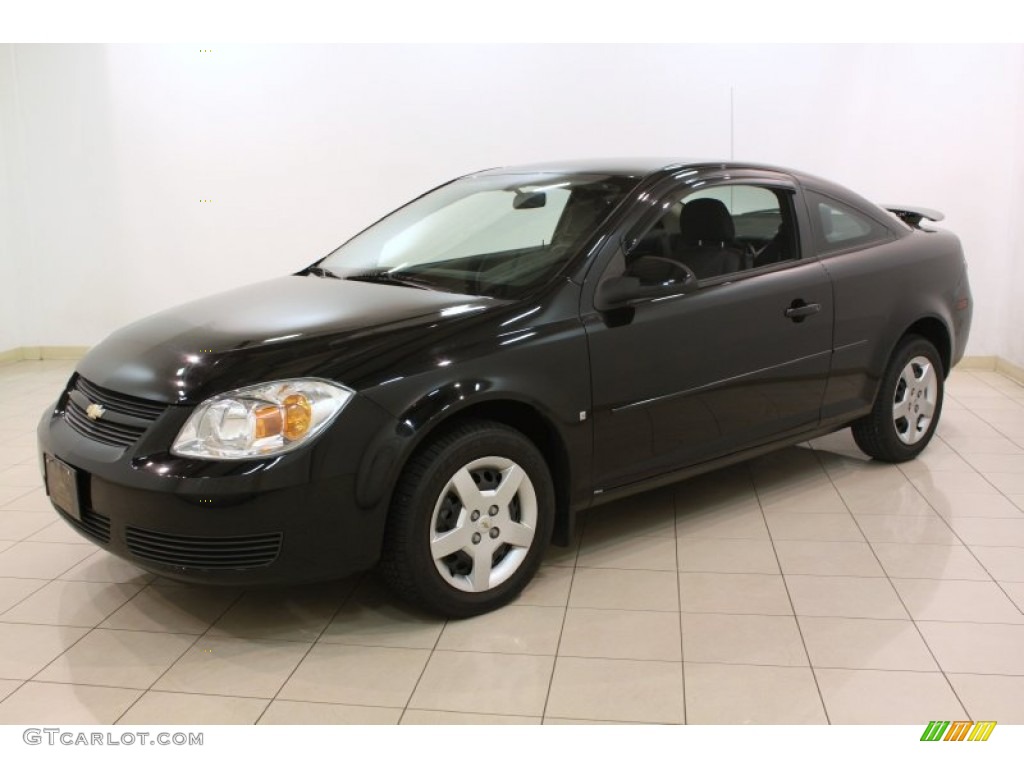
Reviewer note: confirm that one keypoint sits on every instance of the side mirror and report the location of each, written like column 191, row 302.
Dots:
column 649, row 277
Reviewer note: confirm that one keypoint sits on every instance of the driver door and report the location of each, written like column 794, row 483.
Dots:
column 737, row 359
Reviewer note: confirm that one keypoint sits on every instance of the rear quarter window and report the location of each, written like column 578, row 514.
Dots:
column 838, row 227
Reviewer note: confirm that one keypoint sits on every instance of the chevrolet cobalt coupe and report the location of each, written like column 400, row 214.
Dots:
column 442, row 394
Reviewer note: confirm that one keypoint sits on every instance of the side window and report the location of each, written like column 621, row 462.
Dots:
column 838, row 227
column 719, row 231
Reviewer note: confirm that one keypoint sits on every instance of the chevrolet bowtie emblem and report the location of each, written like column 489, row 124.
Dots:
column 94, row 411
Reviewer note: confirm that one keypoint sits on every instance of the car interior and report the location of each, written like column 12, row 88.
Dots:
column 701, row 233
column 508, row 272
column 712, row 233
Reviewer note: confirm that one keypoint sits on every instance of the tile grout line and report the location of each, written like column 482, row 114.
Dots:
column 85, row 634
column 88, row 627
column 846, row 669
column 21, row 684
column 679, row 599
column 419, row 677
column 789, row 596
column 573, row 656
column 231, row 604
column 26, row 597
column 892, row 586
column 22, row 496
column 309, row 650
column 565, row 617
column 966, row 545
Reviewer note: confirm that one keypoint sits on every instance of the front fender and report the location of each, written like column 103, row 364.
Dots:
column 389, row 452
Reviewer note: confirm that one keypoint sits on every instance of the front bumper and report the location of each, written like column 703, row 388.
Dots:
column 289, row 519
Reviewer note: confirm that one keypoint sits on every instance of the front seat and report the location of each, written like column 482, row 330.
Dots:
column 707, row 239
column 779, row 248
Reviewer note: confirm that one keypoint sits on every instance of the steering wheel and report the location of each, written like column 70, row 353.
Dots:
column 674, row 266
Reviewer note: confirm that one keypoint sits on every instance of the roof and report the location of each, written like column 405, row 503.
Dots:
column 617, row 166
column 633, row 166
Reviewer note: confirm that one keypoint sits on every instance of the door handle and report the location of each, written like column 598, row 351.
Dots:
column 800, row 309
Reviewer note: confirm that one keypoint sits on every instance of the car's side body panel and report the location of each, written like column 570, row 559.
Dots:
column 713, row 371
column 533, row 355
column 700, row 376
column 880, row 293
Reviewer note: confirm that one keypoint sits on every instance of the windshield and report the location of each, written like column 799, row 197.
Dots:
column 497, row 236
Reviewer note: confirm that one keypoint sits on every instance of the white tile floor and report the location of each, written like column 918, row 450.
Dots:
column 808, row 586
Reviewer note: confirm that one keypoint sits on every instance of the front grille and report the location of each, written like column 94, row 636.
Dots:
column 132, row 406
column 204, row 551
column 125, row 418
column 93, row 524
column 103, row 432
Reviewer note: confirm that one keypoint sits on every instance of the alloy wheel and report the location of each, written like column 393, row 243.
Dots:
column 483, row 524
column 914, row 400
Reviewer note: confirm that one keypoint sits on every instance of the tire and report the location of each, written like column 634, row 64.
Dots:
column 472, row 514
column 907, row 406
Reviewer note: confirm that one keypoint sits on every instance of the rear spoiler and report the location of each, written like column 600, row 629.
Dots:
column 912, row 214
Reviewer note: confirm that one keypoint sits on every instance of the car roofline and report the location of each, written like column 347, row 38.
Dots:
column 651, row 170
column 639, row 167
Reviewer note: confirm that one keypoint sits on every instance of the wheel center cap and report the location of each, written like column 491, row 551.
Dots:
column 484, row 523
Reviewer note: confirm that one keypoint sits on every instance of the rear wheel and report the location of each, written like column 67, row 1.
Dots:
column 471, row 517
column 908, row 404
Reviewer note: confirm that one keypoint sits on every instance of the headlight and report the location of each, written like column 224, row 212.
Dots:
column 263, row 420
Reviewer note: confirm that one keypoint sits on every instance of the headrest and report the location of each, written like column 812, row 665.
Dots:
column 706, row 220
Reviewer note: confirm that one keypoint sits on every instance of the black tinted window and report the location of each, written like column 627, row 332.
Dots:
column 839, row 227
column 722, row 230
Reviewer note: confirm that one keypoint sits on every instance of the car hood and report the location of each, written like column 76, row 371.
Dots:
column 288, row 326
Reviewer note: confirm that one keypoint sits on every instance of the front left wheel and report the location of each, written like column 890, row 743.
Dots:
column 470, row 520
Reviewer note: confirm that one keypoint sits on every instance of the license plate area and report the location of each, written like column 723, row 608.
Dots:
column 62, row 487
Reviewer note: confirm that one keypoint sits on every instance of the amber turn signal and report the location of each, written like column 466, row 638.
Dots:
column 298, row 416
column 268, row 421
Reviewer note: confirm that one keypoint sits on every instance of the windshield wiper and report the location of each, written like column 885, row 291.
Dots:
column 392, row 278
column 319, row 272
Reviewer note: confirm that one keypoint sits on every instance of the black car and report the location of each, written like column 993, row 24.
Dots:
column 443, row 393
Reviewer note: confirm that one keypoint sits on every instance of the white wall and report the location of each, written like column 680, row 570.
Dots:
column 301, row 146
column 1012, row 316
column 11, row 209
